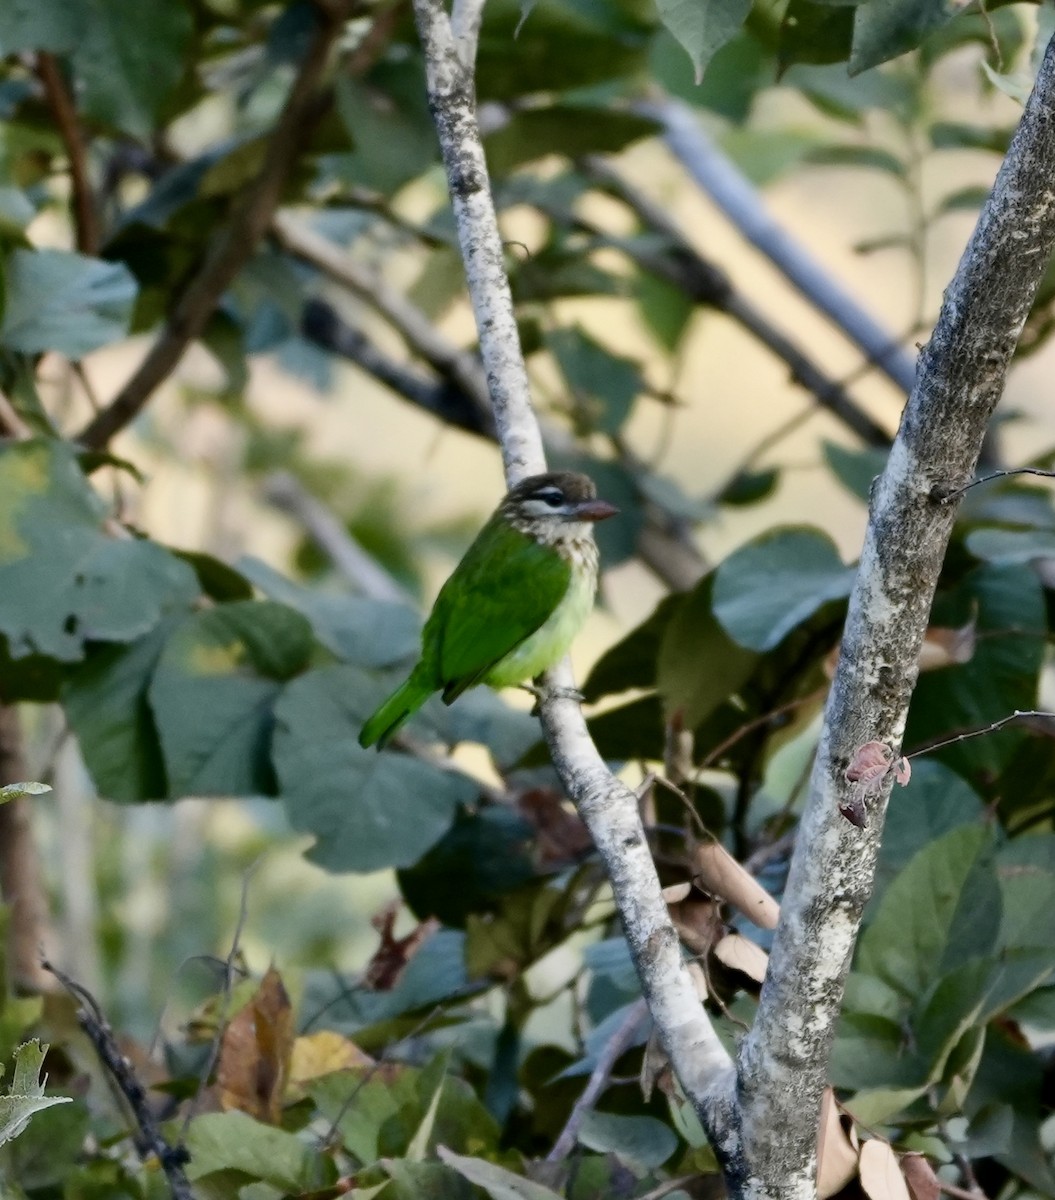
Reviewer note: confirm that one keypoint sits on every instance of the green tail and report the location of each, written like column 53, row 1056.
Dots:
column 397, row 709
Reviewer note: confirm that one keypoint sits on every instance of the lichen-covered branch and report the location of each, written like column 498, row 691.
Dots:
column 783, row 1061
column 608, row 806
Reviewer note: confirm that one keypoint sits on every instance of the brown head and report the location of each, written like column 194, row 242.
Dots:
column 550, row 501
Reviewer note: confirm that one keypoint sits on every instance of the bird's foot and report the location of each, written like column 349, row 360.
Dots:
column 545, row 692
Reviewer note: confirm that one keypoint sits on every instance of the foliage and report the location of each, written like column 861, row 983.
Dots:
column 449, row 1063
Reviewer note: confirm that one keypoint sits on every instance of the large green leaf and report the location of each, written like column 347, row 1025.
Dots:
column 368, row 810
column 943, row 908
column 496, row 1181
column 58, row 300
column 39, row 25
column 768, row 587
column 105, row 699
column 64, row 579
column 1007, row 603
column 568, row 129
column 212, row 694
column 703, row 26
column 603, row 385
column 642, row 1142
column 130, row 60
column 248, row 1150
column 884, row 29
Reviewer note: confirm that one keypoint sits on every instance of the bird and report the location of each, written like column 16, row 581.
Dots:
column 513, row 604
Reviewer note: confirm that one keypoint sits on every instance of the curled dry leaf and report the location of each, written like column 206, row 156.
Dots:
column 721, row 875
column 881, row 1175
column 389, row 960
column 922, row 1182
column 855, row 812
column 255, row 1053
column 741, row 954
column 837, row 1149
column 944, row 647
column 870, row 764
column 699, row 979
column 560, row 836
column 677, row 892
column 695, row 917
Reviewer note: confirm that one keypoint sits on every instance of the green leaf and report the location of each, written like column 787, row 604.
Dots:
column 703, row 26
column 943, row 907
column 1025, row 869
column 1007, row 604
column 868, row 157
column 603, row 385
column 368, row 810
column 884, row 29
column 1011, row 545
column 130, row 59
column 569, row 129
column 63, row 579
column 26, row 1094
column 856, row 470
column 699, row 666
column 631, row 663
column 496, row 1181
column 368, row 633
column 643, row 1143
column 423, row 1181
column 39, row 25
column 235, row 1142
column 105, row 699
column 768, row 587
column 58, row 300
column 814, row 33
column 212, row 693
column 15, row 791
column 665, row 309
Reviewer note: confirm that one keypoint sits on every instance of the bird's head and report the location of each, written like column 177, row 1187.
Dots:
column 551, row 506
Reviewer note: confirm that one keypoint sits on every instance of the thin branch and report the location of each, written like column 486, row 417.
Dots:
column 1017, row 715
column 783, row 1061
column 289, row 495
column 150, row 1141
column 85, row 215
column 946, row 496
column 607, row 806
column 234, row 245
column 703, row 281
column 616, row 1046
column 730, row 190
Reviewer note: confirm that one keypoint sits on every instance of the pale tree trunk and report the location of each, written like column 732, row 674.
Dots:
column 761, row 1111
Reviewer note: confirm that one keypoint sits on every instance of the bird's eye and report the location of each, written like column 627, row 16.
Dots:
column 551, row 496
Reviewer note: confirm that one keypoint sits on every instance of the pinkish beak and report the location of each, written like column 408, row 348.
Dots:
column 594, row 510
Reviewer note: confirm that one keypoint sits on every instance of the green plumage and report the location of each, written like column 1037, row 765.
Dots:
column 512, row 605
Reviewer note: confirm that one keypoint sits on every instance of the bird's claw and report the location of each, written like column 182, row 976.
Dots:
column 546, row 692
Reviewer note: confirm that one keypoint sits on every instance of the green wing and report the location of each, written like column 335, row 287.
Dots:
column 505, row 588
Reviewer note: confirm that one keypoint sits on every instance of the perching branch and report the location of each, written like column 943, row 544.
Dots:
column 782, row 1063
column 607, row 806
column 726, row 186
column 236, row 242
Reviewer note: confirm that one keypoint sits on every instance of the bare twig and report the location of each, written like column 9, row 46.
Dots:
column 150, row 1140
column 614, row 1049
column 236, row 242
column 946, row 496
column 734, row 195
column 1017, row 715
column 85, row 215
column 328, row 533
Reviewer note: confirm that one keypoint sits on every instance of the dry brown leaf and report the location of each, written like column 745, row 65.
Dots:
column 255, row 1052
column 696, row 919
column 390, row 959
column 922, row 1182
column 721, row 875
column 321, row 1053
column 560, row 836
column 677, row 892
column 836, row 1149
column 655, row 1069
column 948, row 647
column 741, row 954
column 699, row 980
column 881, row 1175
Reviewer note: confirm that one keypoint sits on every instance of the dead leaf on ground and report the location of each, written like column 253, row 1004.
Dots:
column 837, row 1149
column 881, row 1175
column 255, row 1053
column 721, row 875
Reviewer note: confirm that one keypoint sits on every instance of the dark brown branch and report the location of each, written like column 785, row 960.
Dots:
column 150, row 1141
column 85, row 215
column 234, row 245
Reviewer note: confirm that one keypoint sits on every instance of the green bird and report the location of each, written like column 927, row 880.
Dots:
column 512, row 606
